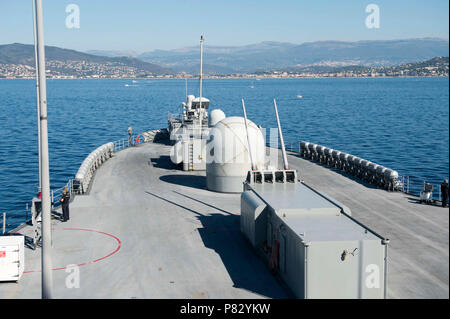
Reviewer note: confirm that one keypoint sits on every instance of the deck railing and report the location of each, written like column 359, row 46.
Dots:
column 12, row 218
column 127, row 142
column 57, row 193
column 3, row 223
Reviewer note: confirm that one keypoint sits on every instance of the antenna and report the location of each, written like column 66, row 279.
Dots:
column 201, row 78
column 46, row 258
column 248, row 137
column 185, row 87
column 283, row 150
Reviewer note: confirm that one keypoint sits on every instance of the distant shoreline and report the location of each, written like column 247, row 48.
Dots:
column 231, row 78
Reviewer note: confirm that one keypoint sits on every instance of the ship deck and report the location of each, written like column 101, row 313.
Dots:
column 149, row 230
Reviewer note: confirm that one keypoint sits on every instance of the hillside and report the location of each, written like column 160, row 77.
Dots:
column 276, row 55
column 316, row 58
column 438, row 66
column 66, row 62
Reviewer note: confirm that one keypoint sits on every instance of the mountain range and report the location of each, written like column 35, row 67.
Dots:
column 276, row 55
column 17, row 53
column 263, row 56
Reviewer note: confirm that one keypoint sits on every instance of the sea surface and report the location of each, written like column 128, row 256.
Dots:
column 401, row 123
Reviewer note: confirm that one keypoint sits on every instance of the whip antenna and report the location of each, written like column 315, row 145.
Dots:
column 248, row 137
column 201, row 78
column 283, row 150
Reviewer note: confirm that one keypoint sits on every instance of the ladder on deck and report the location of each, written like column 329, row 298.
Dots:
column 191, row 156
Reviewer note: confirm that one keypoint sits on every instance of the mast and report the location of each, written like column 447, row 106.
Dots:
column 201, row 78
column 47, row 280
column 283, row 150
column 37, row 94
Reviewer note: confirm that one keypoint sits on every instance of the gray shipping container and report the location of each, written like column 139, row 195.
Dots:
column 313, row 243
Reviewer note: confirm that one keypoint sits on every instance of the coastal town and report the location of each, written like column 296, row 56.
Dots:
column 436, row 67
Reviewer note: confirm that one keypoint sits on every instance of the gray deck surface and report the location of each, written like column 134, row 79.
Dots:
column 178, row 240
column 418, row 254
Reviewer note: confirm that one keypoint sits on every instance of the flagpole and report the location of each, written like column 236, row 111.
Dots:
column 37, row 94
column 47, row 280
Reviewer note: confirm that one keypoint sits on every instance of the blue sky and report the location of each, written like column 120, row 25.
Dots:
column 144, row 25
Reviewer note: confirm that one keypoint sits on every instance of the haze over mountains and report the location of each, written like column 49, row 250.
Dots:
column 263, row 56
column 277, row 55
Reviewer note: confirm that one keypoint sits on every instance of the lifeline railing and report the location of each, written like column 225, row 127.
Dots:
column 127, row 142
column 56, row 194
column 3, row 223
column 415, row 185
column 17, row 217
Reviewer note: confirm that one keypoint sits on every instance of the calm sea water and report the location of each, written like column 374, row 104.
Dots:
column 399, row 123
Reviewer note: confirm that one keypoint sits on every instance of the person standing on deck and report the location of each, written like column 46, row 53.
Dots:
column 130, row 136
column 444, row 192
column 65, row 204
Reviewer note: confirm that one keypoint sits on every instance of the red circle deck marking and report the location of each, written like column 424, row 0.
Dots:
column 119, row 245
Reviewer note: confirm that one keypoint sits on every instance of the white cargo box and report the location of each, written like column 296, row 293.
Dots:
column 12, row 260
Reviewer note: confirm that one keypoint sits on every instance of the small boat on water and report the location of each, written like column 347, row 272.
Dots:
column 299, row 96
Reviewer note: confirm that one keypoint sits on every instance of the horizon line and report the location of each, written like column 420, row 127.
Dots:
column 138, row 52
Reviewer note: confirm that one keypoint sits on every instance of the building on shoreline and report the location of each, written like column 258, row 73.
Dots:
column 436, row 67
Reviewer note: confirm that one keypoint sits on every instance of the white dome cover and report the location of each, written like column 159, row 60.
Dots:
column 227, row 155
column 215, row 116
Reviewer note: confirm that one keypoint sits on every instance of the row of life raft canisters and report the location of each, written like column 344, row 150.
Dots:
column 363, row 169
column 89, row 166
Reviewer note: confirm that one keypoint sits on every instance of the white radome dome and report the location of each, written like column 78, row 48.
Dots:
column 215, row 116
column 227, row 155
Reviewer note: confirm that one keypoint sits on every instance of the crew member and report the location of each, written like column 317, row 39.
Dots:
column 130, row 136
column 444, row 192
column 65, row 204
column 38, row 204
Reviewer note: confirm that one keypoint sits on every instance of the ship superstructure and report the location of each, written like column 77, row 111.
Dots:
column 190, row 129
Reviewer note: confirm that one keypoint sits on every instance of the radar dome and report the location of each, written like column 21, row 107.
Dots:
column 227, row 155
column 215, row 116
